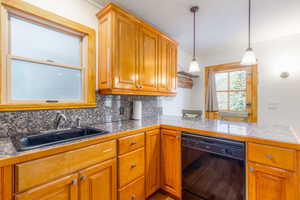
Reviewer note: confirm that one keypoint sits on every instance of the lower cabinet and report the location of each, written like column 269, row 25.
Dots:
column 65, row 188
column 133, row 191
column 99, row 182
column 153, row 166
column 171, row 162
column 268, row 183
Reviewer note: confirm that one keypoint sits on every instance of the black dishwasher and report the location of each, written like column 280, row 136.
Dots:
column 212, row 168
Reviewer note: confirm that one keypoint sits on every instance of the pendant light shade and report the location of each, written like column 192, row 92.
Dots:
column 194, row 65
column 249, row 57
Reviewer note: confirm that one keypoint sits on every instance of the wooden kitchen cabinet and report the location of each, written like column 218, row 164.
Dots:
column 65, row 188
column 6, row 183
column 171, row 162
column 99, row 182
column 153, row 162
column 148, row 59
column 125, row 61
column 130, row 56
column 269, row 183
column 167, row 65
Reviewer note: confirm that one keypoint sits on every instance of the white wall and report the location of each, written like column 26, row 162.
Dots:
column 278, row 99
column 77, row 10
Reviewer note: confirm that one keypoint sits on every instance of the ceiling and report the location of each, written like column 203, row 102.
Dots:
column 220, row 23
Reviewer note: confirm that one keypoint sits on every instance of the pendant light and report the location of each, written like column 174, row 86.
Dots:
column 249, row 57
column 194, row 65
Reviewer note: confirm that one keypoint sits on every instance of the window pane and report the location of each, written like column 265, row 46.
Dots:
column 37, row 42
column 237, row 101
column 33, row 81
column 238, row 80
column 221, row 81
column 222, row 100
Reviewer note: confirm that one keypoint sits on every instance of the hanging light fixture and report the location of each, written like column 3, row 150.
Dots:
column 194, row 65
column 249, row 57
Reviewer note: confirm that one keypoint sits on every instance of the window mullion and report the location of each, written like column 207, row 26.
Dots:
column 44, row 62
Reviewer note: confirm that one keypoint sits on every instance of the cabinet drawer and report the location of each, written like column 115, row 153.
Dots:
column 272, row 156
column 134, row 190
column 131, row 143
column 131, row 166
column 37, row 172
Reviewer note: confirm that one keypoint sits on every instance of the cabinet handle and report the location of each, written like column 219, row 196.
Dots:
column 178, row 137
column 133, row 166
column 270, row 156
column 107, row 150
column 82, row 178
column 133, row 143
column 74, row 182
column 133, row 196
column 251, row 169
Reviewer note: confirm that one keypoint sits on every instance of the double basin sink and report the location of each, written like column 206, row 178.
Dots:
column 53, row 137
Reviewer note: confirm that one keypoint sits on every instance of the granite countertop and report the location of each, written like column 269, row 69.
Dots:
column 240, row 130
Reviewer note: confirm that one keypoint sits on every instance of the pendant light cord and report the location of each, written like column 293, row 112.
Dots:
column 249, row 25
column 194, row 50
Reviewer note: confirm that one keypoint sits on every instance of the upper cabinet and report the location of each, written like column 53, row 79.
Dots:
column 134, row 57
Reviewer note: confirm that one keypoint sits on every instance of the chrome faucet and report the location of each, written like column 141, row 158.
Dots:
column 58, row 119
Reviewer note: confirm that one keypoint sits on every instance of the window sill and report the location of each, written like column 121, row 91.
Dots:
column 20, row 107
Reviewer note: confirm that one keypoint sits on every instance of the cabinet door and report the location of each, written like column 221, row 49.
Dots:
column 6, row 183
column 125, row 52
column 99, row 182
column 148, row 59
column 172, row 66
column 163, row 69
column 62, row 189
column 152, row 161
column 268, row 183
column 167, row 70
column 171, row 161
column 104, row 79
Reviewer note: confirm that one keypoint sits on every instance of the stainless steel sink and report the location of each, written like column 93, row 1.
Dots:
column 53, row 137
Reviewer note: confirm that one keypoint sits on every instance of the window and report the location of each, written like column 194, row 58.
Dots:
column 231, row 90
column 48, row 61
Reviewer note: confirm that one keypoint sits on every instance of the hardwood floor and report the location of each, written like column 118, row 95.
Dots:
column 160, row 196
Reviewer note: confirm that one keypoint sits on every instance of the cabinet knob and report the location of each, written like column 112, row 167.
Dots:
column 133, row 166
column 251, row 169
column 133, row 197
column 74, row 182
column 82, row 178
column 133, row 143
column 270, row 156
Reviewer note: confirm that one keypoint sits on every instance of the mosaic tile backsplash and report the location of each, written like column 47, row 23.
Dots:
column 109, row 108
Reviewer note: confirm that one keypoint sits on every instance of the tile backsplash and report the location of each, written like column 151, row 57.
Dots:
column 107, row 110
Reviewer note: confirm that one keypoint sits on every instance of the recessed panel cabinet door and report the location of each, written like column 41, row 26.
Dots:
column 171, row 161
column 65, row 188
column 153, row 146
column 99, row 182
column 125, row 53
column 268, row 183
column 148, row 60
column 172, row 67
